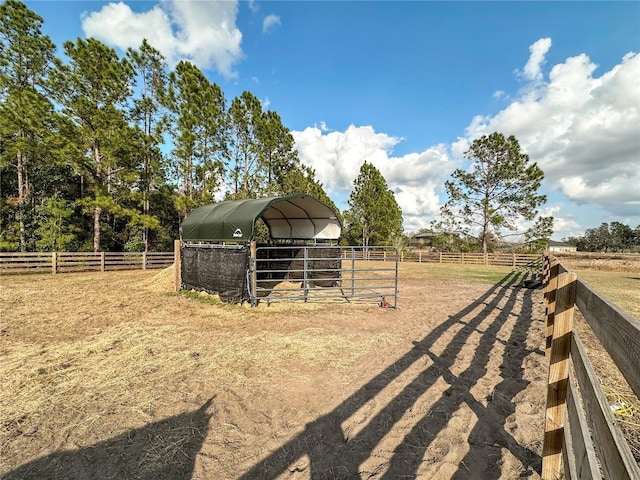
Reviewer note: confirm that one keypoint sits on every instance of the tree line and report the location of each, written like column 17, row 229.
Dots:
column 614, row 237
column 109, row 152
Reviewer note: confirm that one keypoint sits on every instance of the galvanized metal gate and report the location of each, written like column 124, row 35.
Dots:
column 324, row 273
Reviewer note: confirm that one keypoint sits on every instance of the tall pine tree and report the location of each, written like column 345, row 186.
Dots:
column 199, row 126
column 500, row 188
column 374, row 217
column 245, row 175
column 26, row 115
column 148, row 114
column 93, row 88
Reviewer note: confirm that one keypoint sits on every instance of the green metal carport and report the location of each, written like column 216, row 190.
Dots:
column 294, row 217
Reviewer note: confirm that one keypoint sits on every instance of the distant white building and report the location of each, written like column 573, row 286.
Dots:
column 554, row 246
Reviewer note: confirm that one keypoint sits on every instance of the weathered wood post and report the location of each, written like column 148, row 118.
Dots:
column 144, row 260
column 177, row 283
column 54, row 259
column 558, row 376
column 552, row 270
column 102, row 261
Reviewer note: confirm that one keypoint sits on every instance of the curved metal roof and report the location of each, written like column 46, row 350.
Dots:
column 295, row 217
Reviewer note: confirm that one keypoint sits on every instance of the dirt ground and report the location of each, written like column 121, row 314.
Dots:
column 112, row 376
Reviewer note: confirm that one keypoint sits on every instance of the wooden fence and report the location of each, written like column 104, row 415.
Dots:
column 581, row 439
column 503, row 259
column 62, row 262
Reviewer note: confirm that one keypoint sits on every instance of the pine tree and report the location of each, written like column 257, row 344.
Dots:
column 93, row 88
column 199, row 114
column 245, row 175
column 148, row 113
column 55, row 231
column 276, row 150
column 374, row 217
column 26, row 115
column 501, row 187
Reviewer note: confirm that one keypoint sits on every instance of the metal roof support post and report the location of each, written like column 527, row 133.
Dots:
column 253, row 294
column 395, row 293
column 305, row 268
column 353, row 272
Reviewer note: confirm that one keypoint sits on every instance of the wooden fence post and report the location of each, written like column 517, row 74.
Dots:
column 144, row 260
column 176, row 265
column 558, row 376
column 551, row 285
column 54, row 260
column 440, row 258
column 102, row 261
column 419, row 257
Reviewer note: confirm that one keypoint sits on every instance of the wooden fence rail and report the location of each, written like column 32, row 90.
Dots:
column 581, row 438
column 503, row 259
column 62, row 262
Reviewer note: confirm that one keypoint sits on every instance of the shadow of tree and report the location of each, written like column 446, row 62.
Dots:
column 332, row 456
column 161, row 450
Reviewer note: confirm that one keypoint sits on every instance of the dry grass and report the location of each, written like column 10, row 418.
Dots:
column 613, row 385
column 120, row 350
column 584, row 261
column 622, row 288
column 618, row 279
column 93, row 356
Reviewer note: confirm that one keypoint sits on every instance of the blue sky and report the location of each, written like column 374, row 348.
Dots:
column 407, row 86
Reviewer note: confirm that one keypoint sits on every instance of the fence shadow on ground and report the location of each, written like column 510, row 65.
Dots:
column 161, row 450
column 323, row 451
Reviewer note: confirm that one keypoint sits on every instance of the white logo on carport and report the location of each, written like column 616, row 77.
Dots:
column 237, row 233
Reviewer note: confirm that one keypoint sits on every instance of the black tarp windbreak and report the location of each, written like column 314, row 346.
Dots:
column 216, row 269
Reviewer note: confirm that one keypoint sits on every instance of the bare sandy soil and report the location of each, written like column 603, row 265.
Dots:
column 110, row 376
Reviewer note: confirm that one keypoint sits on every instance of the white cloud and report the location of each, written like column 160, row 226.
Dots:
column 564, row 225
column 270, row 22
column 415, row 178
column 583, row 130
column 337, row 156
column 204, row 33
column 532, row 70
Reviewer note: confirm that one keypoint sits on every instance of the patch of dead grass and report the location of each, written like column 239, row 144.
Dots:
column 89, row 355
column 613, row 385
column 85, row 357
